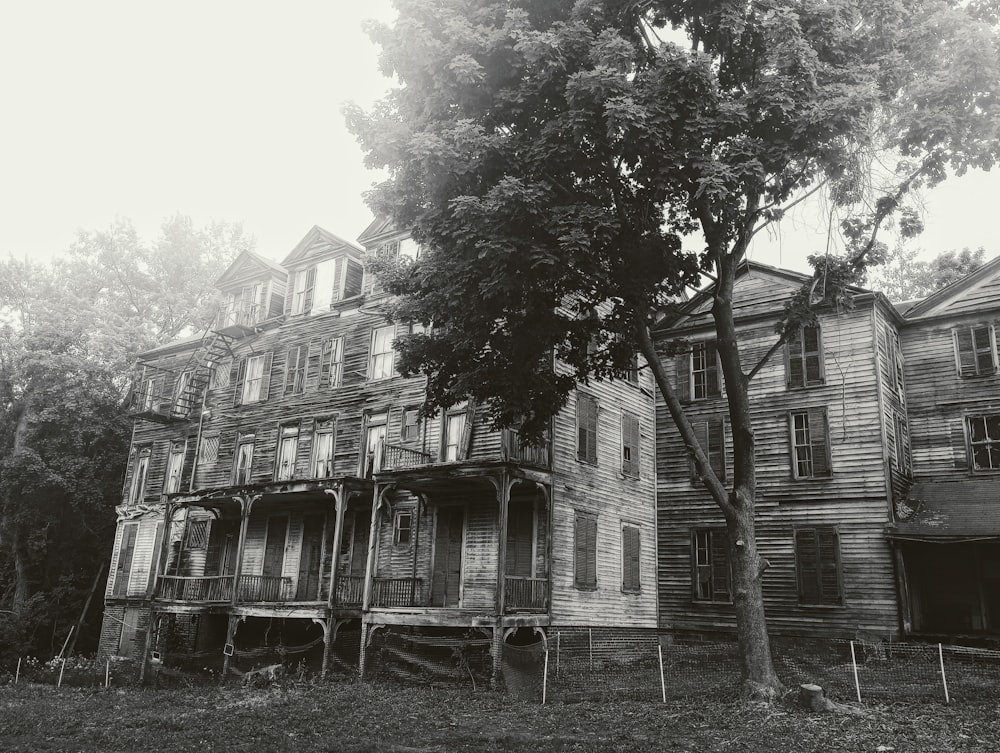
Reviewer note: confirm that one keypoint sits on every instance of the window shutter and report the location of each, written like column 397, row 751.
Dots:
column 265, row 380
column 682, row 371
column 289, row 368
column 630, row 559
column 338, row 279
column 819, row 438
column 829, row 576
column 586, row 419
column 720, row 565
column 630, row 440
column 352, row 279
column 290, row 292
column 965, row 352
column 310, row 290
column 712, row 375
column 716, row 447
column 812, row 353
column 701, row 432
column 794, row 376
column 155, row 561
column 325, row 362
column 586, row 551
column 807, row 565
column 124, row 567
column 465, row 443
column 241, row 374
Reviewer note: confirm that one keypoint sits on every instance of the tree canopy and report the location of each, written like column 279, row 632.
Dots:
column 904, row 277
column 551, row 157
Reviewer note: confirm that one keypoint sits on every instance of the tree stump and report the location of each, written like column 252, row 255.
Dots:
column 811, row 697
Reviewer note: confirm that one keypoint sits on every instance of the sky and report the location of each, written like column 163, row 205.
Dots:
column 231, row 111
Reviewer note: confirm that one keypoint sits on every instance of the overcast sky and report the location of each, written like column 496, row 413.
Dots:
column 231, row 111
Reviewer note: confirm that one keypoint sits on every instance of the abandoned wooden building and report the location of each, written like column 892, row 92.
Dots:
column 285, row 494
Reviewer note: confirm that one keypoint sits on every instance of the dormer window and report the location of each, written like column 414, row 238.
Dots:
column 304, row 290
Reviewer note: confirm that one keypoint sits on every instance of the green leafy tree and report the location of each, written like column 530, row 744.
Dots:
column 903, row 277
column 69, row 334
column 550, row 156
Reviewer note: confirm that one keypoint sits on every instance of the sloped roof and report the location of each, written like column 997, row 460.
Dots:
column 973, row 294
column 318, row 241
column 247, row 265
column 378, row 227
column 760, row 290
column 950, row 510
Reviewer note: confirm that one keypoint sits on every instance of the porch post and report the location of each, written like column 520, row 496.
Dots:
column 340, row 503
column 246, row 503
column 183, row 540
column 503, row 503
column 366, row 600
column 231, row 627
column 161, row 563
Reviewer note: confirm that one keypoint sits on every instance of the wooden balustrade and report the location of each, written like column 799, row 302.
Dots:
column 397, row 458
column 536, row 455
column 396, row 592
column 265, row 588
column 195, row 588
column 528, row 594
column 350, row 590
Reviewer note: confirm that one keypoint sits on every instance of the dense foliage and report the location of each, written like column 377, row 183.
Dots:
column 552, row 155
column 69, row 333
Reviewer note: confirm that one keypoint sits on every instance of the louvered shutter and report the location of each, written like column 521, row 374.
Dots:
column 325, row 361
column 265, row 379
column 819, row 438
column 630, row 442
column 125, row 551
column 290, row 357
column 465, row 443
column 965, row 352
column 241, row 374
column 716, row 447
column 701, row 433
column 812, row 354
column 586, row 417
column 807, row 565
column 794, row 374
column 586, row 551
column 630, row 559
column 720, row 565
column 310, row 290
column 682, row 372
column 713, row 384
column 155, row 562
column 290, row 292
column 829, row 572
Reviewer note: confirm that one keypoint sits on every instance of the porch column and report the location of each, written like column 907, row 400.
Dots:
column 503, row 486
column 246, row 503
column 231, row 629
column 340, row 503
column 161, row 561
column 377, row 498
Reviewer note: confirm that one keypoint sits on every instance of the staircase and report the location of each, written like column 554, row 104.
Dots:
column 194, row 378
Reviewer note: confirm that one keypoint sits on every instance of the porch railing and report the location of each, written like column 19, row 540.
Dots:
column 265, row 588
column 396, row 592
column 398, row 458
column 195, row 588
column 525, row 594
column 350, row 590
column 537, row 455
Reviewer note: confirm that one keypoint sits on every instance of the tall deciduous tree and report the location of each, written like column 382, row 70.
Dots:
column 903, row 277
column 550, row 156
column 68, row 334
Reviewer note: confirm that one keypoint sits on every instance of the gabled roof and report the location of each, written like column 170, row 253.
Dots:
column 976, row 292
column 760, row 290
column 380, row 226
column 250, row 265
column 950, row 510
column 319, row 241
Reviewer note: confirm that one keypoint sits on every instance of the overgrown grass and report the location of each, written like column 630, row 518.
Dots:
column 364, row 718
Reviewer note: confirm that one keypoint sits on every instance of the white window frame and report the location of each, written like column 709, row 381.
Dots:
column 253, row 385
column 245, row 444
column 286, row 452
column 175, row 467
column 323, row 465
column 381, row 354
column 140, row 473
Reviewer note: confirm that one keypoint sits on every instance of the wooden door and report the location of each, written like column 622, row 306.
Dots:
column 448, row 557
column 520, row 532
column 312, row 548
column 274, row 558
column 359, row 548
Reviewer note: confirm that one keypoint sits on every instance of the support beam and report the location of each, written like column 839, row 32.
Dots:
column 231, row 628
column 246, row 503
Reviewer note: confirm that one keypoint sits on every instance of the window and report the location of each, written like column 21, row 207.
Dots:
column 632, row 372
column 705, row 370
column 902, row 445
column 710, row 573
column 585, row 548
column 295, row 369
column 804, row 358
column 175, row 466
column 208, row 453
column 243, row 462
column 183, row 395
column 197, row 535
column 586, row 428
column 381, row 355
column 817, row 563
column 975, row 350
column 304, row 290
column 984, row 442
column 711, row 435
column 253, row 379
column 149, row 395
column 409, row 431
column 810, row 443
column 331, row 363
column 630, row 559
column 288, row 447
column 454, row 445
column 220, row 375
column 630, row 444
column 402, row 528
column 140, row 470
column 126, row 550
column 894, row 358
column 324, row 441
column 375, row 433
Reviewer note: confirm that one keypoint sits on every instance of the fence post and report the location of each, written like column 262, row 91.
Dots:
column 545, row 676
column 558, row 636
column 663, row 682
column 944, row 680
column 590, row 643
column 107, row 674
column 17, row 674
column 854, row 664
column 61, row 670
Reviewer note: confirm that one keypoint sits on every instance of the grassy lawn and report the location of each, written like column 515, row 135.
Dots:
column 352, row 718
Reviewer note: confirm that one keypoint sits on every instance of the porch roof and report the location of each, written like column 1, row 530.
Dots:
column 463, row 475
column 966, row 509
column 220, row 496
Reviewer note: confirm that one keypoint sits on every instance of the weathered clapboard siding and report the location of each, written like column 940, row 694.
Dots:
column 603, row 490
column 142, row 556
column 939, row 399
column 853, row 498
